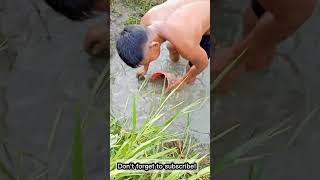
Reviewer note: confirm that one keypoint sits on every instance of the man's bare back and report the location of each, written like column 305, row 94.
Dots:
column 185, row 24
column 194, row 15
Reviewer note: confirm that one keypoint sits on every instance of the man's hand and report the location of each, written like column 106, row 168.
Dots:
column 222, row 58
column 97, row 39
column 140, row 74
column 176, row 84
column 143, row 71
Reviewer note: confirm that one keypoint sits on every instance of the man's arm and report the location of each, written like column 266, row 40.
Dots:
column 142, row 71
column 280, row 21
column 290, row 11
column 198, row 57
column 187, row 48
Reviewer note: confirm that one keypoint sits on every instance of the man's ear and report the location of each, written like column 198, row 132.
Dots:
column 154, row 45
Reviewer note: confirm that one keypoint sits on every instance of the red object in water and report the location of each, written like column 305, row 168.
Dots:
column 162, row 74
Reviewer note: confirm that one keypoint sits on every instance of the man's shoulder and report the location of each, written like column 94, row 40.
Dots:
column 175, row 33
column 171, row 29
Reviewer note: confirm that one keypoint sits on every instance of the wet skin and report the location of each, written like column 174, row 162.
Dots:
column 262, row 36
column 182, row 23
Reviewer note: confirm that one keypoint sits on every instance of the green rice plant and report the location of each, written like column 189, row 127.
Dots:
column 302, row 125
column 5, row 171
column 77, row 149
column 153, row 141
column 226, row 70
column 256, row 170
column 4, row 45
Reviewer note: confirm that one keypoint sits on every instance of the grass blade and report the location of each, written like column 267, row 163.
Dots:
column 3, row 45
column 103, row 78
column 8, row 155
column 143, row 146
column 63, row 165
column 162, row 154
column 203, row 172
column 134, row 114
column 54, row 129
column 226, row 70
column 227, row 163
column 256, row 171
column 302, row 125
column 234, row 157
column 77, row 151
column 6, row 172
column 219, row 136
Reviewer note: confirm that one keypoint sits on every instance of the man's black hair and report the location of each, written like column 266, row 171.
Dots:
column 130, row 45
column 76, row 10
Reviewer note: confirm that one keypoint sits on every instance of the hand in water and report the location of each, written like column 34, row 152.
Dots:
column 141, row 73
column 176, row 83
column 221, row 60
column 97, row 39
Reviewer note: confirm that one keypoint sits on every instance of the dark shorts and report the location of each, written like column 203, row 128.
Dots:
column 257, row 8
column 206, row 45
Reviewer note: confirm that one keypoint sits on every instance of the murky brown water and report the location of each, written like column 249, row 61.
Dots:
column 124, row 85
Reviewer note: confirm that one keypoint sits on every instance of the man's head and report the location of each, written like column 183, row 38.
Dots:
column 137, row 46
column 78, row 9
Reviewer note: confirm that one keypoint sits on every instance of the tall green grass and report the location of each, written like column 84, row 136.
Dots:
column 5, row 171
column 3, row 44
column 153, row 141
column 77, row 149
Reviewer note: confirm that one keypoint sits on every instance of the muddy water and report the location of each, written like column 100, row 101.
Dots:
column 124, row 85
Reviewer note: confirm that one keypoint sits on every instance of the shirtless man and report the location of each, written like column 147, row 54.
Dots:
column 266, row 23
column 185, row 24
